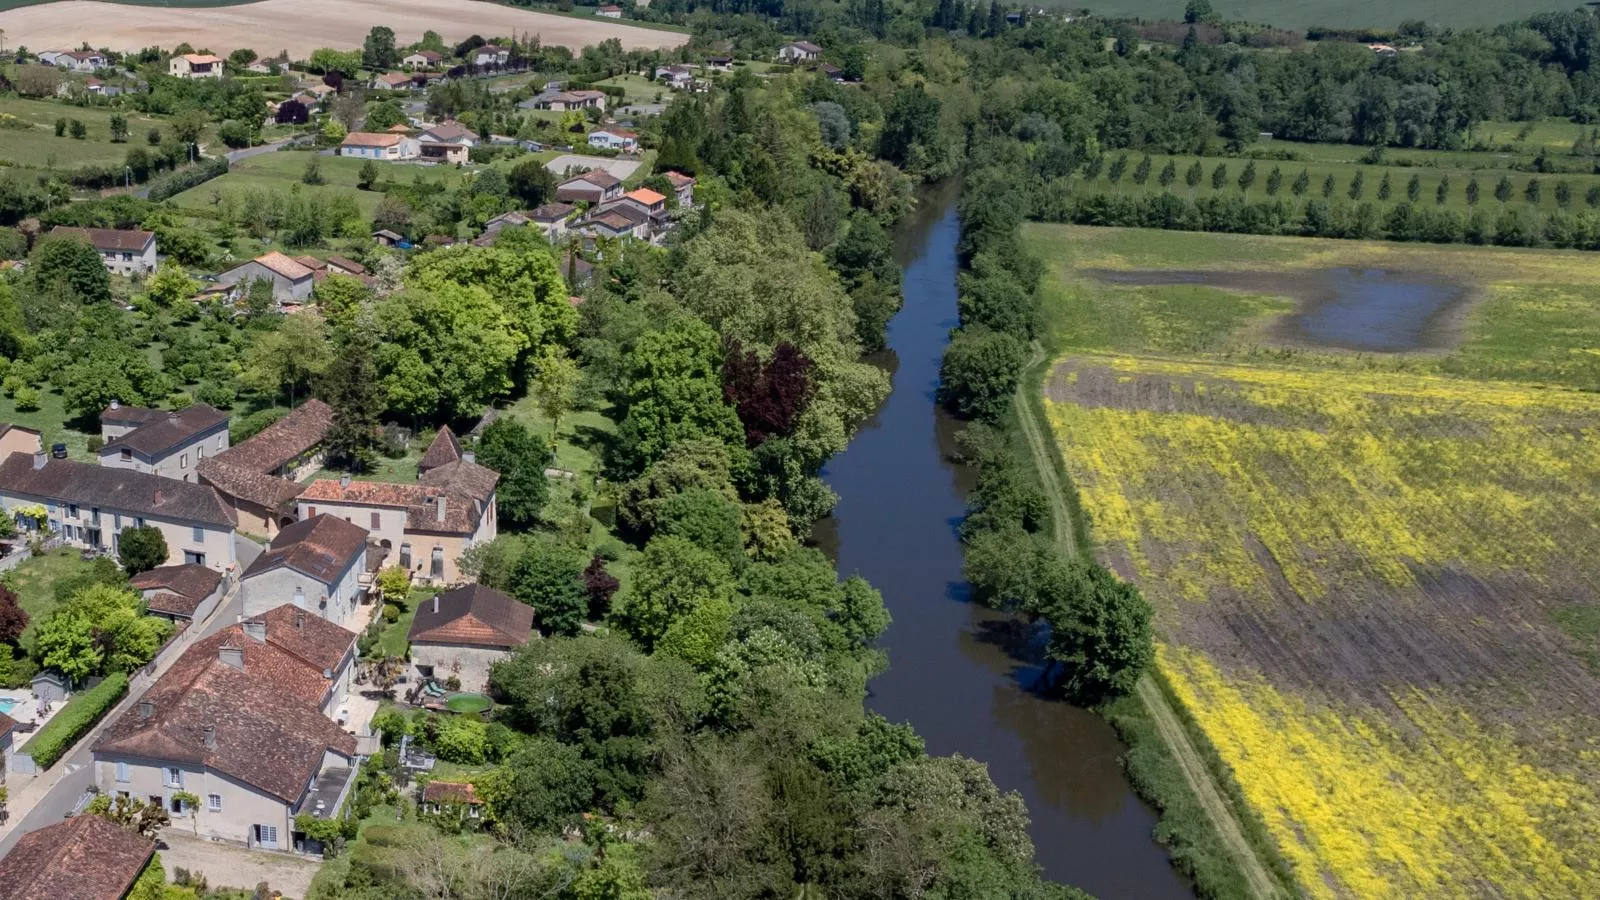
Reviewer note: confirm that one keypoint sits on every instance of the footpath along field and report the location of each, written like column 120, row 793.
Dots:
column 1377, row 577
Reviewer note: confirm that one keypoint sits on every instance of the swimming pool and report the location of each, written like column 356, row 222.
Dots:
column 7, row 705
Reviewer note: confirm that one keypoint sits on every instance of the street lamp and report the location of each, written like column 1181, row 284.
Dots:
column 127, row 176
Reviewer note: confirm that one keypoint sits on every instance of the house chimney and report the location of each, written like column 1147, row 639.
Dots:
column 173, row 417
column 256, row 629
column 210, row 737
column 439, row 507
column 232, row 657
column 436, row 604
column 344, row 480
column 299, row 620
column 158, row 501
column 116, row 404
column 146, row 710
column 469, row 456
column 39, row 459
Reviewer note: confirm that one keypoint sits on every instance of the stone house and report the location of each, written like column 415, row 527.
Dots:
column 258, row 478
column 89, row 505
column 124, row 251
column 170, row 443
column 317, row 565
column 195, row 65
column 451, row 797
column 290, row 280
column 464, row 632
column 187, row 593
column 421, row 59
column 426, row 525
column 799, row 51
column 84, row 857
column 594, row 186
column 682, row 187
column 242, row 721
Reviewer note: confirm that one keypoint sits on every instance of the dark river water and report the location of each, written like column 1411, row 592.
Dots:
column 1374, row 310
column 961, row 674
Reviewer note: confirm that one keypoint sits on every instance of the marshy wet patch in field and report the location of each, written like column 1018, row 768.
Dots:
column 1367, row 310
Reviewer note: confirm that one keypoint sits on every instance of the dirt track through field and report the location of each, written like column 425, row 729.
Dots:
column 1173, row 733
column 300, row 26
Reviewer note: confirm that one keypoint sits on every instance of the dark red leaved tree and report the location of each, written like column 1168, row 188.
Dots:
column 599, row 585
column 13, row 618
column 770, row 397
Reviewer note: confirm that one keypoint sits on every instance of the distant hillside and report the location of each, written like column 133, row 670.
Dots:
column 1301, row 14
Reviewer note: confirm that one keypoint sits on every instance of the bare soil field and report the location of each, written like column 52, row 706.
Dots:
column 300, row 26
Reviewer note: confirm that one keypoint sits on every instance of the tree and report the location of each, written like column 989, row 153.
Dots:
column 598, row 586
column 1472, row 191
column 101, row 629
column 1502, row 190
column 707, row 518
column 171, row 284
column 290, row 112
column 69, row 264
column 1328, row 186
column 1169, row 173
column 911, row 125
column 312, row 174
column 531, row 182
column 119, row 128
column 1274, row 181
column 1384, row 188
column 1247, row 178
column 671, row 580
column 979, row 373
column 542, row 786
column 1197, row 12
column 394, row 583
column 142, row 549
column 674, row 392
column 554, row 386
column 384, row 115
column 1357, row 184
column 1592, row 197
column 1099, row 631
column 1301, row 183
column 1532, row 192
column 1115, row 171
column 510, row 448
column 352, row 390
column 145, row 818
column 546, row 577
column 378, row 51
column 79, row 130
column 368, row 176
column 13, row 618
column 770, row 397
column 289, row 359
column 1192, row 176
column 1414, row 188
column 1441, row 194
column 1219, row 176
column 235, row 134
column 188, row 126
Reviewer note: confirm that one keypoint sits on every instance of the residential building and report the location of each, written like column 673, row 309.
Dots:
column 619, row 220
column 184, row 592
column 85, row 857
column 388, row 238
column 89, row 505
column 170, row 443
column 316, row 564
column 19, row 439
column 552, row 218
column 609, row 11
column 242, row 720
column 428, row 523
column 333, row 265
column 677, row 77
column 594, row 186
column 464, row 632
column 385, row 145
column 799, row 52
column 682, row 187
column 258, row 478
column 445, row 797
column 392, row 81
column 422, row 59
column 290, row 280
column 274, row 66
column 646, row 201
column 490, row 55
column 75, row 60
column 450, row 142
column 720, row 63
column 620, row 139
column 562, row 101
column 195, row 65
column 125, row 251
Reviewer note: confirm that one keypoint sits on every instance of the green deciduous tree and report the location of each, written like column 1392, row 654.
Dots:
column 511, row 448
column 979, row 373
column 1099, row 630
column 141, row 549
column 101, row 629
column 674, row 393
column 378, row 50
column 671, row 580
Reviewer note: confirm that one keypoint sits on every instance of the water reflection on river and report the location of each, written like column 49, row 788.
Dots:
column 960, row 673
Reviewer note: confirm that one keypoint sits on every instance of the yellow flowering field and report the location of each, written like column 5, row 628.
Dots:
column 1376, row 591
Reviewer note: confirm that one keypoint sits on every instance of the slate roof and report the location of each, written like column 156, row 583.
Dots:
column 321, row 547
column 110, row 488
column 473, row 616
column 450, row 792
column 167, row 431
column 189, row 582
column 444, row 449
column 122, row 240
column 269, row 731
column 83, row 858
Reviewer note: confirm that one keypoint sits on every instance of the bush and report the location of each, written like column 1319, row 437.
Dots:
column 74, row 720
column 174, row 183
column 27, row 399
column 391, row 613
column 395, row 583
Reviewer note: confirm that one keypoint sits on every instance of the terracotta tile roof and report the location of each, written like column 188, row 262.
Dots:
column 190, row 582
column 348, row 265
column 444, row 449
column 6, row 724
column 473, row 616
column 118, row 414
column 370, row 139
column 464, row 479
column 420, row 501
column 109, row 488
column 201, row 58
column 122, row 240
column 261, row 725
column 283, row 440
column 395, row 78
column 599, row 178
column 306, row 636
column 321, row 547
column 166, row 431
column 645, row 196
column 679, row 180
column 242, row 483
column 83, row 858
column 619, row 132
column 551, row 212
column 283, row 265
column 172, row 604
column 450, row 792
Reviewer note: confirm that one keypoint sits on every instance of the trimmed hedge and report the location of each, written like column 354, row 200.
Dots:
column 174, row 183
column 74, row 720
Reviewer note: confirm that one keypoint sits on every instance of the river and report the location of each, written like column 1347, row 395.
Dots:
column 957, row 672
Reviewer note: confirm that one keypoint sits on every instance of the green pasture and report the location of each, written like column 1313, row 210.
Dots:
column 281, row 171
column 39, row 147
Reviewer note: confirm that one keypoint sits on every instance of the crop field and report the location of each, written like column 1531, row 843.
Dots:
column 1302, row 14
column 341, row 24
column 1456, row 180
column 1377, row 578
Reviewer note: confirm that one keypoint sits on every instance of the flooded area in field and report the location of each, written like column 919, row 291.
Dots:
column 1370, row 310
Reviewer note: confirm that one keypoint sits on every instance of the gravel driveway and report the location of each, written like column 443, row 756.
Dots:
column 225, row 865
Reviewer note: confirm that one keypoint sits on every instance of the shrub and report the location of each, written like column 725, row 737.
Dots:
column 174, row 183
column 27, row 399
column 395, row 583
column 391, row 613
column 74, row 720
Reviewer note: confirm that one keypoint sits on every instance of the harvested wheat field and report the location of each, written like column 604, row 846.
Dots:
column 1377, row 577
column 301, row 26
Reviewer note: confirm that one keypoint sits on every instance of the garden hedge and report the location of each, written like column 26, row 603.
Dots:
column 74, row 721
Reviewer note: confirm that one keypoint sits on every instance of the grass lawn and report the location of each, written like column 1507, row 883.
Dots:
column 38, row 146
column 393, row 641
column 280, row 173
column 639, row 89
column 34, row 581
